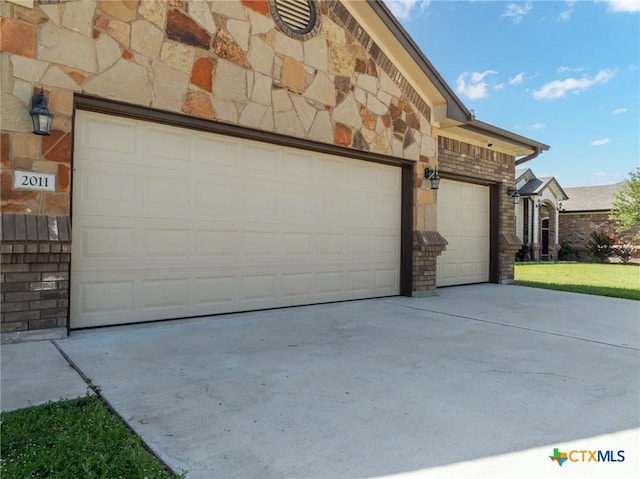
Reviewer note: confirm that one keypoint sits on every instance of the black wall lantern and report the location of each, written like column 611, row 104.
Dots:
column 513, row 193
column 40, row 114
column 433, row 177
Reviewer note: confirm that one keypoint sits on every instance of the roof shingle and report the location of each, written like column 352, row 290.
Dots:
column 591, row 198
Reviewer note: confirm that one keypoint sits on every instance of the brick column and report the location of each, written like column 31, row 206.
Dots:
column 35, row 255
column 509, row 245
column 427, row 246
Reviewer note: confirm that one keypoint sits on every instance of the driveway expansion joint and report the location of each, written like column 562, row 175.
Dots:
column 497, row 323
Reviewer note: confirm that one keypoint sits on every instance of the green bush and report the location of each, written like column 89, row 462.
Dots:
column 624, row 250
column 567, row 252
column 600, row 248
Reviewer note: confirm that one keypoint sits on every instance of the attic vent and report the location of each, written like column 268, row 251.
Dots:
column 297, row 18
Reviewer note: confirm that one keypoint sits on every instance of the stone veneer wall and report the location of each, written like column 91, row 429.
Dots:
column 221, row 60
column 474, row 162
column 218, row 60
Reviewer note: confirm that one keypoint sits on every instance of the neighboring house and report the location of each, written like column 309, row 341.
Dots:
column 537, row 216
column 587, row 210
column 236, row 155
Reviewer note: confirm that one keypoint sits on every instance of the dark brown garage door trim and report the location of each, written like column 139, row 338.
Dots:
column 116, row 108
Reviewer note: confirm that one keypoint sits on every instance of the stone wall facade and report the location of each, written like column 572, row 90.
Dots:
column 474, row 163
column 224, row 61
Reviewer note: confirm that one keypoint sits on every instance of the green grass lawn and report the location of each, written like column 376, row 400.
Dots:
column 80, row 438
column 617, row 280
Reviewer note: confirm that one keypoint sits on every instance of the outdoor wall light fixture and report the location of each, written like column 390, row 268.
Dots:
column 513, row 193
column 40, row 114
column 431, row 174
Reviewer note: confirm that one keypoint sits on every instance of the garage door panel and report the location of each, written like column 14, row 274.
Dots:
column 217, row 156
column 359, row 280
column 215, row 196
column 261, row 162
column 387, row 278
column 163, row 143
column 166, row 193
column 258, row 286
column 166, row 243
column 333, row 208
column 111, row 296
column 96, row 134
column 463, row 220
column 297, row 244
column 160, row 293
column 333, row 170
column 259, row 243
column 105, row 242
column 210, row 224
column 297, row 284
column 215, row 290
column 104, row 189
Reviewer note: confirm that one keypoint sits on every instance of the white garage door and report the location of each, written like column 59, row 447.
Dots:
column 463, row 219
column 170, row 223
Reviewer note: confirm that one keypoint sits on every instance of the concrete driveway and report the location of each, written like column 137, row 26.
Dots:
column 479, row 378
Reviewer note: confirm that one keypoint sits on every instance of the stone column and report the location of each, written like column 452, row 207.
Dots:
column 535, row 232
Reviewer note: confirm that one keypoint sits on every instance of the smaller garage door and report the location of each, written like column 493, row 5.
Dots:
column 463, row 219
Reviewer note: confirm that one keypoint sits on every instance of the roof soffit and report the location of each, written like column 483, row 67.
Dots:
column 447, row 111
column 481, row 140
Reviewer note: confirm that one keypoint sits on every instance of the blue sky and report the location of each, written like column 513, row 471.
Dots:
column 565, row 73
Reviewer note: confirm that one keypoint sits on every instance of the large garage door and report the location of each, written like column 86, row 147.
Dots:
column 171, row 223
column 463, row 219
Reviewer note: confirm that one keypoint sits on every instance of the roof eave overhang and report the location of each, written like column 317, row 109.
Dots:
column 448, row 112
column 384, row 28
column 524, row 144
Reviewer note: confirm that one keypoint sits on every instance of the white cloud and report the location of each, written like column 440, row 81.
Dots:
column 516, row 80
column 564, row 69
column 624, row 5
column 403, row 8
column 600, row 142
column 477, row 77
column 472, row 85
column 559, row 88
column 565, row 16
column 536, row 126
column 606, row 176
column 499, row 86
column 517, row 11
column 619, row 111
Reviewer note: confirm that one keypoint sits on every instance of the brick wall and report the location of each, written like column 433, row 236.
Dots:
column 427, row 246
column 576, row 228
column 463, row 160
column 34, row 282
